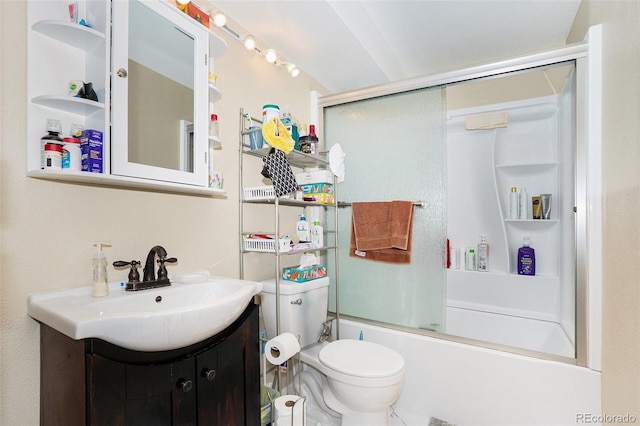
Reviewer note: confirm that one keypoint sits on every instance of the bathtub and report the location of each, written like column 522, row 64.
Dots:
column 471, row 385
column 526, row 333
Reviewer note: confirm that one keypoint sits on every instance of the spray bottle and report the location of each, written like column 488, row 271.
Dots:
column 100, row 286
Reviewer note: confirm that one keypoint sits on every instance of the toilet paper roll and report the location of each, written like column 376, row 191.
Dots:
column 289, row 411
column 281, row 348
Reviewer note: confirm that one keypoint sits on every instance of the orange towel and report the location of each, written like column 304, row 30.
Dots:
column 371, row 225
column 401, row 221
column 384, row 240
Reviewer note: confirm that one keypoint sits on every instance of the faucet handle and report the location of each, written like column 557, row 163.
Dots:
column 162, row 269
column 134, row 275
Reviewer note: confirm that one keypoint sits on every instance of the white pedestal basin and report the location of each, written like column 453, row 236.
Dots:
column 147, row 320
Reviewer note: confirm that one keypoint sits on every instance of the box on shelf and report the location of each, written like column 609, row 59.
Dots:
column 322, row 192
column 92, row 147
column 301, row 275
column 196, row 13
column 316, row 176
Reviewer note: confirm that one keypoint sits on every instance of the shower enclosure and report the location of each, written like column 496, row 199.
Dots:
column 425, row 144
column 395, row 151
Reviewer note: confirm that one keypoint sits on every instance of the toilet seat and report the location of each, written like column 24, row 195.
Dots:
column 361, row 359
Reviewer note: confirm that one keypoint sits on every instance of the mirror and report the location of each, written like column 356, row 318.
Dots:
column 159, row 93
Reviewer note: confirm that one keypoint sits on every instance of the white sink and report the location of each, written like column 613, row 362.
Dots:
column 147, row 320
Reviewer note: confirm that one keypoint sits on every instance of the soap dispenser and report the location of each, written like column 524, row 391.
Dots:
column 100, row 286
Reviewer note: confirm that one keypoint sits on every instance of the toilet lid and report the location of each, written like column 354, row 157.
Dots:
column 361, row 358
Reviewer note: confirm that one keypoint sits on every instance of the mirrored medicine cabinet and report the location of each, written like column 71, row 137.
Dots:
column 153, row 63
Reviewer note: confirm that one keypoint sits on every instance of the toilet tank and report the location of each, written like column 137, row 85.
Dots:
column 303, row 308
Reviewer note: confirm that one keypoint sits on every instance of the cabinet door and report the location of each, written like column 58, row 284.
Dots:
column 230, row 396
column 154, row 395
column 159, row 93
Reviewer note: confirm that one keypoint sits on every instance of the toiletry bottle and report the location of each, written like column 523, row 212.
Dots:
column 100, row 287
column 291, row 125
column 470, row 259
column 302, row 228
column 54, row 129
column 483, row 254
column 526, row 259
column 309, row 143
column 513, row 203
column 214, row 127
column 313, row 139
column 317, row 234
column 523, row 206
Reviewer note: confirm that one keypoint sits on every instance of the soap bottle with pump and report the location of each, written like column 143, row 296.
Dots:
column 302, row 229
column 100, row 286
column 526, row 259
column 483, row 255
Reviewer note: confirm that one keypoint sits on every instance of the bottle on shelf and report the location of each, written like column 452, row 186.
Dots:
column 317, row 234
column 214, row 128
column 483, row 255
column 291, row 124
column 302, row 229
column 523, row 205
column 526, row 259
column 470, row 259
column 54, row 129
column 513, row 203
column 309, row 143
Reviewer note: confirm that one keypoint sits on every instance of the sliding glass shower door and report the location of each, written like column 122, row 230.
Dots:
column 395, row 150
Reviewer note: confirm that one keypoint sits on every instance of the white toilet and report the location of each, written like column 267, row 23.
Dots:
column 360, row 379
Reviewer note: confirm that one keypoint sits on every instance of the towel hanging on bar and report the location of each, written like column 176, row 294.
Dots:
column 382, row 231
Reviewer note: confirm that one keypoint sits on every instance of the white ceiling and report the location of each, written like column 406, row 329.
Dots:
column 351, row 44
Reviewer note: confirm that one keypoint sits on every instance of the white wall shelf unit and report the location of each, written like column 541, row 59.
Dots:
column 73, row 34
column 78, row 52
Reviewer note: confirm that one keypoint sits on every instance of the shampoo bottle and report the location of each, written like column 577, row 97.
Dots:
column 302, row 228
column 513, row 203
column 100, row 287
column 483, row 254
column 526, row 259
column 523, row 206
column 317, row 234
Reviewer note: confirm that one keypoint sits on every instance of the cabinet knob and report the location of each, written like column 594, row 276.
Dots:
column 185, row 385
column 121, row 73
column 209, row 374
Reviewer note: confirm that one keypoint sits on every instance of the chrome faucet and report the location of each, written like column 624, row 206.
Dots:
column 149, row 279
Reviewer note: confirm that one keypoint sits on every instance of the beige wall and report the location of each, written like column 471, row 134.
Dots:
column 621, row 203
column 48, row 228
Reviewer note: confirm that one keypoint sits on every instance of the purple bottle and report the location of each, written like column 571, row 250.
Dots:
column 526, row 259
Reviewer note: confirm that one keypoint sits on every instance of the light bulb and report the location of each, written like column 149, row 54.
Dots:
column 271, row 56
column 184, row 2
column 249, row 42
column 219, row 19
column 293, row 70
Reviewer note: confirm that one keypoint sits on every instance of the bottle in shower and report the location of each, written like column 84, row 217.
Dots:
column 526, row 259
column 483, row 255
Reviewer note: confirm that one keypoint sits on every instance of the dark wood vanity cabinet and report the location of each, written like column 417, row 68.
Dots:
column 92, row 382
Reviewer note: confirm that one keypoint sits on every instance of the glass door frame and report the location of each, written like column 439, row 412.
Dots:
column 588, row 58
